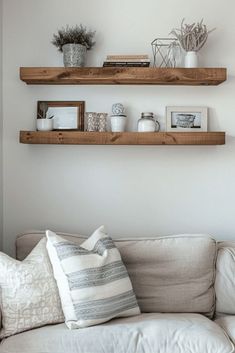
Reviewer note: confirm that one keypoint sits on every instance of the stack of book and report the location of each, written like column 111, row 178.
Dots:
column 127, row 61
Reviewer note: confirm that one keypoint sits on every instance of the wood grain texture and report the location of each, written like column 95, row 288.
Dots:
column 122, row 76
column 124, row 138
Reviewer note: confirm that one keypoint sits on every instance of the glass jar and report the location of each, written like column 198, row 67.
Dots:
column 147, row 123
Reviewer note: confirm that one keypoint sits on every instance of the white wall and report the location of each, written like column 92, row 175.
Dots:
column 1, row 173
column 134, row 190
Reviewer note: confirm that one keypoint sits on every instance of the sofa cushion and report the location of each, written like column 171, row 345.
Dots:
column 93, row 282
column 225, row 281
column 168, row 274
column 227, row 323
column 29, row 295
column 151, row 333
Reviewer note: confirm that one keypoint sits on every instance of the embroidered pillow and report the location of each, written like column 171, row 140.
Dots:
column 93, row 282
column 29, row 294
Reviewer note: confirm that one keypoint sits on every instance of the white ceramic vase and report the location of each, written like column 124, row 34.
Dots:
column 118, row 123
column 191, row 59
column 44, row 124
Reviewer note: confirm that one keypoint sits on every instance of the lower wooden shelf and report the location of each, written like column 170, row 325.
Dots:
column 122, row 138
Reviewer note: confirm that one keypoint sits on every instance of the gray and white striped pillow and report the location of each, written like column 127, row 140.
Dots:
column 93, row 282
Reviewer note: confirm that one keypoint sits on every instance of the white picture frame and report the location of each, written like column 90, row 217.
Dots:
column 186, row 119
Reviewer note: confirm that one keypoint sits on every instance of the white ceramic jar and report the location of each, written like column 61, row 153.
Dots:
column 118, row 123
column 147, row 123
column 191, row 59
column 44, row 124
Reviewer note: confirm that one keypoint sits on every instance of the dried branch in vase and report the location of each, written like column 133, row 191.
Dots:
column 192, row 37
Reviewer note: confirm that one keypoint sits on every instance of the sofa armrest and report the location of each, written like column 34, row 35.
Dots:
column 0, row 310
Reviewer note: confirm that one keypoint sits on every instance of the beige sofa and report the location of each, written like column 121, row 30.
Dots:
column 185, row 286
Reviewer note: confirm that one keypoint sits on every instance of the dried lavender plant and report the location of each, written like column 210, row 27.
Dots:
column 73, row 35
column 192, row 37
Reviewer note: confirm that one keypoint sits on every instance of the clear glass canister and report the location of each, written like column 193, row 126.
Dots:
column 147, row 123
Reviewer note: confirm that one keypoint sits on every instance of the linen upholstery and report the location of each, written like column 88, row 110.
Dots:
column 168, row 274
column 29, row 295
column 172, row 274
column 225, row 281
column 25, row 242
column 225, row 244
column 145, row 333
column 93, row 282
column 227, row 323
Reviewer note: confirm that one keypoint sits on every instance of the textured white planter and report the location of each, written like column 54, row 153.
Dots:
column 44, row 124
column 191, row 59
column 118, row 123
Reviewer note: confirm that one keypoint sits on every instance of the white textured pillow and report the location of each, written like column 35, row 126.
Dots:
column 29, row 294
column 93, row 282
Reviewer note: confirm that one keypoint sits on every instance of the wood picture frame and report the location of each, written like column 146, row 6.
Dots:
column 67, row 115
column 186, row 119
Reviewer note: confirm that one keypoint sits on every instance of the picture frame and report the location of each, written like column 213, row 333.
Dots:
column 185, row 119
column 67, row 115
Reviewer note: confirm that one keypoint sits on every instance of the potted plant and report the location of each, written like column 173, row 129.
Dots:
column 44, row 121
column 192, row 38
column 74, row 43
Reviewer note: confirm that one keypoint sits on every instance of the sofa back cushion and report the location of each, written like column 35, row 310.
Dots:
column 225, row 279
column 168, row 274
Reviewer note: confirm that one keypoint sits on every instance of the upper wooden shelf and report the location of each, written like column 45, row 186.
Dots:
column 122, row 138
column 122, row 76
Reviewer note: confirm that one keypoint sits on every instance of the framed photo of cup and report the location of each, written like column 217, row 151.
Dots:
column 66, row 115
column 185, row 119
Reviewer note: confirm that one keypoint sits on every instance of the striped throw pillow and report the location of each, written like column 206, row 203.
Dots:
column 93, row 282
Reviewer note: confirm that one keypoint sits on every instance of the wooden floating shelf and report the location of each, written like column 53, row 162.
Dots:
column 122, row 76
column 122, row 138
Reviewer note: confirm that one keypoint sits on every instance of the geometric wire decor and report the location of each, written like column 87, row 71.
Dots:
column 166, row 52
